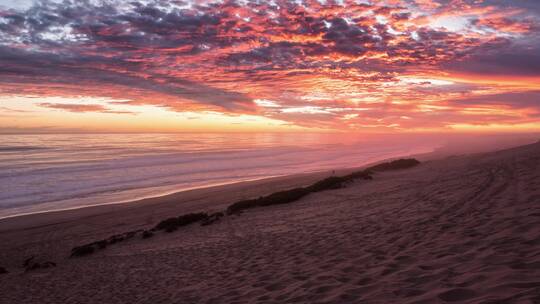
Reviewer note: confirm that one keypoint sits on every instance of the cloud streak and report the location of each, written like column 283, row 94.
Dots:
column 81, row 108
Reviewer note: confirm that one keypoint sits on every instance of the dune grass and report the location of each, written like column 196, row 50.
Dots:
column 289, row 196
column 398, row 164
column 277, row 198
column 173, row 223
column 102, row 244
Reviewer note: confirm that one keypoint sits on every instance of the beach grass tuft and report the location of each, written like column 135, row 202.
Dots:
column 173, row 223
column 398, row 164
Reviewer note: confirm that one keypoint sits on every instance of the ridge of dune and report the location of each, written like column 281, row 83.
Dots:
column 464, row 229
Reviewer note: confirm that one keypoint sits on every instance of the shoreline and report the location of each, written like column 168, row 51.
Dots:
column 257, row 187
column 169, row 195
column 138, row 199
column 21, row 221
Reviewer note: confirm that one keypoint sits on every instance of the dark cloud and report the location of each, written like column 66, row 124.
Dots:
column 510, row 61
column 83, row 72
column 80, row 108
column 518, row 100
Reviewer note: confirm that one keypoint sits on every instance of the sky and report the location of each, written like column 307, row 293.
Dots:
column 305, row 65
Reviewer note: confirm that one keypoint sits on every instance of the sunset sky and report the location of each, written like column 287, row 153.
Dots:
column 366, row 66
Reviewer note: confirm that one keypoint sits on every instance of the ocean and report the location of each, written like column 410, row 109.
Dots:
column 47, row 172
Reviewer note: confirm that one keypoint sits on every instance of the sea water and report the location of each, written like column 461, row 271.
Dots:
column 47, row 172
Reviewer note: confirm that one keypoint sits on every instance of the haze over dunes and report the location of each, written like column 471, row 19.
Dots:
column 370, row 66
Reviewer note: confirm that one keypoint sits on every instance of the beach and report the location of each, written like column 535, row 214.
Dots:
column 49, row 172
column 269, row 152
column 463, row 228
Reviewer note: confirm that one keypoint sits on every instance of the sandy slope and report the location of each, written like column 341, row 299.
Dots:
column 463, row 229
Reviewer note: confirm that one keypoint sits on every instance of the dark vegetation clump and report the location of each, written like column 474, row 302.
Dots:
column 3, row 270
column 102, row 244
column 113, row 240
column 131, row 234
column 289, row 196
column 41, row 265
column 83, row 250
column 168, row 225
column 282, row 197
column 364, row 174
column 117, row 238
column 276, row 198
column 31, row 264
column 173, row 223
column 29, row 260
column 329, row 183
column 212, row 218
column 48, row 264
column 398, row 164
column 241, row 205
column 147, row 234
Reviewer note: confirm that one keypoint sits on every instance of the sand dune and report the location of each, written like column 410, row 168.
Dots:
column 464, row 229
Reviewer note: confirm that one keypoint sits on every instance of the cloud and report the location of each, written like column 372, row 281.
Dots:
column 226, row 55
column 509, row 60
column 519, row 100
column 75, row 107
column 81, row 108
